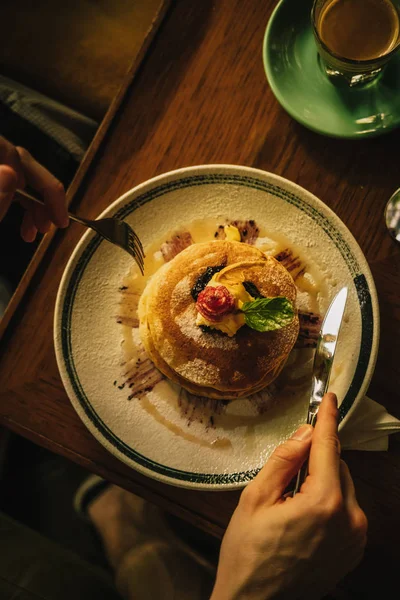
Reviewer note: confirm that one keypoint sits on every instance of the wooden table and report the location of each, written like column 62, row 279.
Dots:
column 201, row 96
column 82, row 49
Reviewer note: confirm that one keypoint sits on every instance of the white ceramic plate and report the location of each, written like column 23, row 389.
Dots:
column 88, row 338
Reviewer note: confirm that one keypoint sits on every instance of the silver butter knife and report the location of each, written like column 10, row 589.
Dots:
column 323, row 360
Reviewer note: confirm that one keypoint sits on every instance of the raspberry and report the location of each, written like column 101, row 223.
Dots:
column 213, row 303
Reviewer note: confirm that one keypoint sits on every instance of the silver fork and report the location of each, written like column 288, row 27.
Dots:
column 115, row 231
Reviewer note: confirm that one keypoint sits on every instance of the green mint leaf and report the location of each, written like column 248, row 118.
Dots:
column 268, row 314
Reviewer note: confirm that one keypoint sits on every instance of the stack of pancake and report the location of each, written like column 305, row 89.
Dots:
column 208, row 362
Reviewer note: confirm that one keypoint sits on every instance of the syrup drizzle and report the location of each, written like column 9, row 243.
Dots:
column 292, row 263
column 140, row 377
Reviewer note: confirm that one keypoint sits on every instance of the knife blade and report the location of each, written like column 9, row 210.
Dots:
column 323, row 361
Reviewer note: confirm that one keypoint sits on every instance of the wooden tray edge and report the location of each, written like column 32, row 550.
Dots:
column 84, row 166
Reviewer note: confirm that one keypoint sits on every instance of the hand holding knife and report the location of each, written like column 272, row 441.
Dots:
column 323, row 360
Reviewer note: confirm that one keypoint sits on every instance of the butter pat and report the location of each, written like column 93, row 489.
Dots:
column 232, row 233
column 229, row 324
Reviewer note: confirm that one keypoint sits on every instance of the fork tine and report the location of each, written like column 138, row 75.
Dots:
column 135, row 248
column 140, row 267
column 136, row 237
column 138, row 259
column 134, row 242
column 138, row 243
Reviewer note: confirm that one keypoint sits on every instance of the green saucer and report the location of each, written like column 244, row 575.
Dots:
column 297, row 79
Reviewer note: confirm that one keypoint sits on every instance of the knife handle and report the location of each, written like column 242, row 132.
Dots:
column 302, row 474
column 301, row 477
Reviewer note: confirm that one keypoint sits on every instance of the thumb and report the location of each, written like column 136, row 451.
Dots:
column 8, row 184
column 283, row 465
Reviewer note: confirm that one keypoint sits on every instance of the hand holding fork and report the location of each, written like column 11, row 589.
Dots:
column 115, row 231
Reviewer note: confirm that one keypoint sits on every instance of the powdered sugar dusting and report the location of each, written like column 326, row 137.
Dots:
column 180, row 293
column 199, row 371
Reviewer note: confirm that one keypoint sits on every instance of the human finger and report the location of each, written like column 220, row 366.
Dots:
column 325, row 449
column 40, row 218
column 282, row 466
column 28, row 227
column 10, row 157
column 47, row 185
column 8, row 185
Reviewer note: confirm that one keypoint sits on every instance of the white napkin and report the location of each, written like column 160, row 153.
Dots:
column 368, row 427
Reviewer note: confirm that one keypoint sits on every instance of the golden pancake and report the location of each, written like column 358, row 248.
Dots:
column 208, row 391
column 210, row 363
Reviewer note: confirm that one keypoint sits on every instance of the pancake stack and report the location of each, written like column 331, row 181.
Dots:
column 207, row 362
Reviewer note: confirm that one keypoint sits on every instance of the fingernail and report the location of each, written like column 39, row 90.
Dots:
column 29, row 235
column 303, row 433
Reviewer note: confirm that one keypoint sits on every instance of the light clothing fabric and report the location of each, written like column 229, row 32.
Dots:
column 160, row 565
column 70, row 129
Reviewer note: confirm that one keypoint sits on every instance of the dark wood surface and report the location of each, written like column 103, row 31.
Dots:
column 143, row 34
column 201, row 97
column 76, row 52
